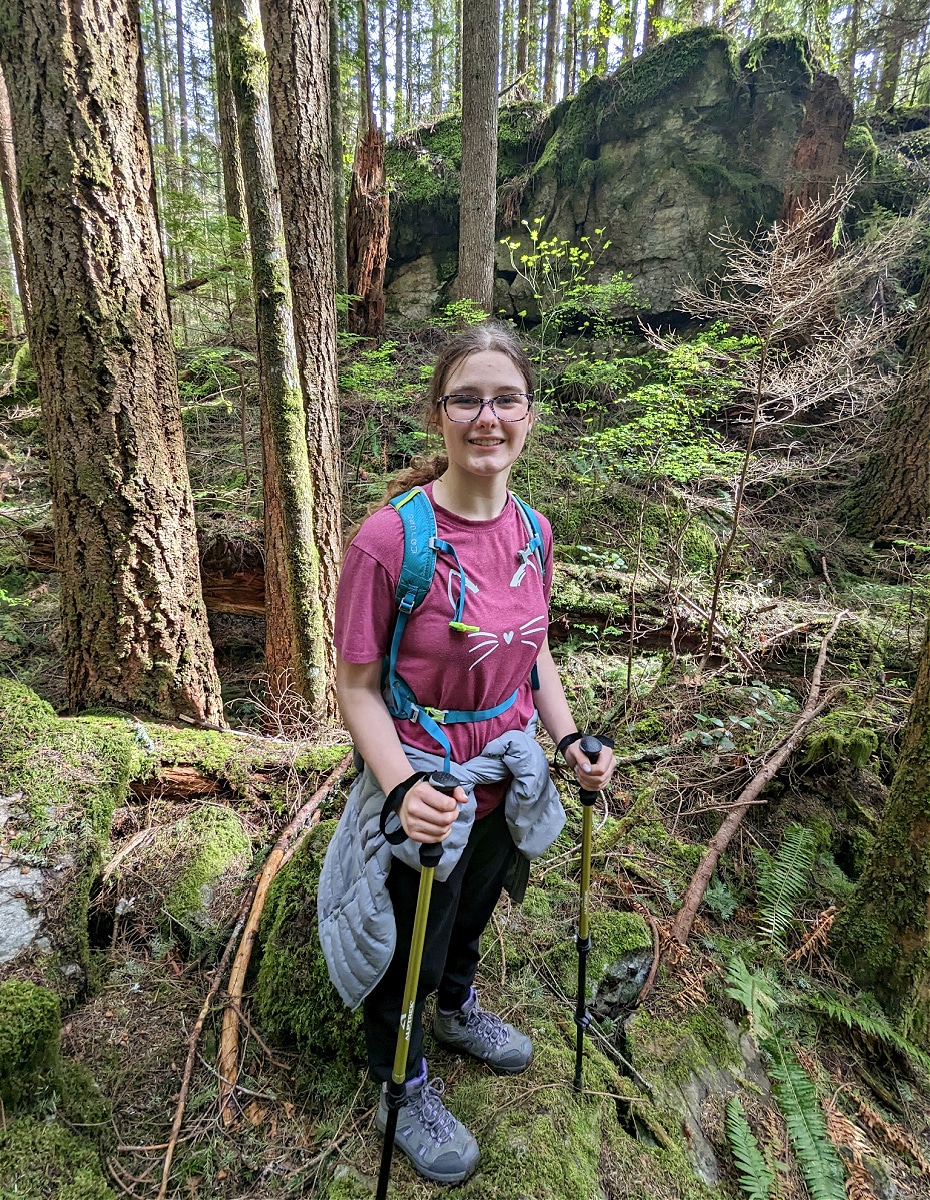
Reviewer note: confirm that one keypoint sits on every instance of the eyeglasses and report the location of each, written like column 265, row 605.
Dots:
column 462, row 409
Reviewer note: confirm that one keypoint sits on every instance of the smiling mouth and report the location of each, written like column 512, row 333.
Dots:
column 487, row 442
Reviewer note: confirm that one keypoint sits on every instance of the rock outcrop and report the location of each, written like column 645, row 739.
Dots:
column 658, row 156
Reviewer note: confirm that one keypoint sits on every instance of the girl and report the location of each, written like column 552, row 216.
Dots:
column 458, row 684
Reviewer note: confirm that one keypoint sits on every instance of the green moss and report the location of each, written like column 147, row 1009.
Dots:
column 861, row 149
column 294, row 995
column 209, row 840
column 671, row 1050
column 845, row 735
column 43, row 1161
column 614, row 935
column 641, row 829
column 29, row 1026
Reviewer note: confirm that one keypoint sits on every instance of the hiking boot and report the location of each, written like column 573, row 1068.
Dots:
column 439, row 1147
column 484, row 1035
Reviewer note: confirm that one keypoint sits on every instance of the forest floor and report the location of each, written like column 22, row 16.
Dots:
column 752, row 1008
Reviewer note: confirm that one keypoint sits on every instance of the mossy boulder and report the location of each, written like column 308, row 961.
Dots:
column 41, row 1160
column 847, row 735
column 661, row 153
column 30, row 1022
column 294, row 996
column 60, row 782
column 207, row 854
column 618, row 962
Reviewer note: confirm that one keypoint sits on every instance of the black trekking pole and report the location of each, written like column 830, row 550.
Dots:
column 590, row 747
column 430, row 854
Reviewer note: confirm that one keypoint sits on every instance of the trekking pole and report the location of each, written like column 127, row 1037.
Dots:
column 430, row 854
column 590, row 747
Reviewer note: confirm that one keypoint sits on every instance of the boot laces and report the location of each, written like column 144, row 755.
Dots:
column 488, row 1026
column 435, row 1118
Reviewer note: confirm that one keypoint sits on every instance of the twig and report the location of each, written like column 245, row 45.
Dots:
column 698, row 885
column 195, row 1038
column 137, row 840
column 250, row 1027
column 228, row 1060
column 786, row 633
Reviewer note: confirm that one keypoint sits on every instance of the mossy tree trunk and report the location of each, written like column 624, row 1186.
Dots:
column 478, row 205
column 891, row 494
column 296, row 651
column 14, row 222
column 134, row 627
column 297, row 44
column 230, row 157
column 882, row 936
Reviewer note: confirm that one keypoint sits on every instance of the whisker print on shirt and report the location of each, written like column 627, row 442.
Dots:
column 491, row 642
column 526, row 560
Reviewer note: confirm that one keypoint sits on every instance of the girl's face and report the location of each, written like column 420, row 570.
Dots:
column 485, row 446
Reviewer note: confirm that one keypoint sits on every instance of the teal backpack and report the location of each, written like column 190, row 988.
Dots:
column 421, row 547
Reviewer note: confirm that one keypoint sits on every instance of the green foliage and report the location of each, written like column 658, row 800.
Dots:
column 371, row 373
column 720, row 899
column 782, row 882
column 208, row 373
column 458, row 314
column 11, row 611
column 756, row 1177
column 797, row 1098
column 756, row 993
column 874, row 1028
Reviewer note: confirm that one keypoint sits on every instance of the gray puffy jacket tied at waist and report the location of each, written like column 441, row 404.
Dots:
column 355, row 914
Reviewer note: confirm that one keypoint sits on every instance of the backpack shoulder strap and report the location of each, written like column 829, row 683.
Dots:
column 534, row 530
column 419, row 564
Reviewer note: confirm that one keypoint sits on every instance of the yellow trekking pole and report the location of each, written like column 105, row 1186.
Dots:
column 590, row 747
column 430, row 854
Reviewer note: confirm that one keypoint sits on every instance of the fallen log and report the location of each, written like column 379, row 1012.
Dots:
column 749, row 795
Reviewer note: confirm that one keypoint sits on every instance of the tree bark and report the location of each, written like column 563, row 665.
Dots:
column 479, row 153
column 297, row 44
column 182, row 80
column 399, row 92
column 891, row 495
column 605, row 16
column 295, row 651
column 654, row 12
column 895, row 34
column 10, row 188
column 819, row 160
column 552, row 44
column 134, row 628
column 335, row 128
column 367, row 228
column 882, row 936
column 164, row 92
column 230, row 157
column 523, row 36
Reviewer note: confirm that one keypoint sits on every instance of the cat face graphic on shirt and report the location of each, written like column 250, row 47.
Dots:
column 488, row 642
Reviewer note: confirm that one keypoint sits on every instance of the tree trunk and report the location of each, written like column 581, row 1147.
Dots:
column 523, row 36
column 338, row 151
column 367, row 228
column 399, row 116
column 134, row 628
column 819, row 159
column 366, row 98
column 852, row 48
column 295, row 653
column 605, row 16
column 891, row 495
column 11, row 202
column 506, row 40
column 231, row 160
column 654, row 13
column 182, row 80
column 552, row 43
column 479, row 153
column 297, row 43
column 882, row 936
column 164, row 93
column 382, row 63
column 895, row 34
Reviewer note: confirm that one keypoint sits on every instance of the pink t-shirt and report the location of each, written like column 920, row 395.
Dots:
column 445, row 668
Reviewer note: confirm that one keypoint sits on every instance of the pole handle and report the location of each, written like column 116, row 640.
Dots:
column 590, row 747
column 431, row 852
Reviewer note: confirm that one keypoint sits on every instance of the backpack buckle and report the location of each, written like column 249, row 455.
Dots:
column 438, row 714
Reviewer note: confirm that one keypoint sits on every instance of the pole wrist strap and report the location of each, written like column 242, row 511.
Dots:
column 395, row 834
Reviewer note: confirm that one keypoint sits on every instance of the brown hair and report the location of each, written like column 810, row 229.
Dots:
column 489, row 335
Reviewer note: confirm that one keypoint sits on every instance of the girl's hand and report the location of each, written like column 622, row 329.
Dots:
column 592, row 776
column 428, row 815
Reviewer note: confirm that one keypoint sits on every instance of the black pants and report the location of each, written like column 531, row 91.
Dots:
column 460, row 908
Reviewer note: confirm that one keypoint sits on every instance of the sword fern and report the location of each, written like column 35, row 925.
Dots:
column 782, row 882
column 756, row 1177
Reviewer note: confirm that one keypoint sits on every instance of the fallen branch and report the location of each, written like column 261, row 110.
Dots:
column 284, row 848
column 698, row 885
column 195, row 1038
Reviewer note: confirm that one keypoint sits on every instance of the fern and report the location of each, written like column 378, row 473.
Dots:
column 755, row 993
column 872, row 1027
column 755, row 1175
column 797, row 1098
column 782, row 883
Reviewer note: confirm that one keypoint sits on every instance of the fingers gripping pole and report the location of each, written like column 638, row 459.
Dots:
column 590, row 747
column 430, row 854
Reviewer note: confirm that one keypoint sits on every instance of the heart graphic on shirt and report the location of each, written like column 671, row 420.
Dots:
column 508, row 637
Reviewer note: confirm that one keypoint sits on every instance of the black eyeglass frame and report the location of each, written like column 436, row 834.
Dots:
column 482, row 401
